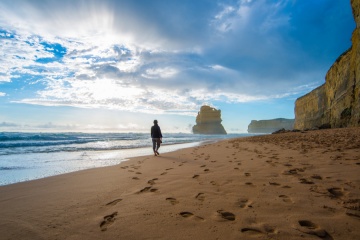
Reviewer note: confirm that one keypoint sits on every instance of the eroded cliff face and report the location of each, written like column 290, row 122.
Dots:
column 270, row 126
column 337, row 102
column 208, row 121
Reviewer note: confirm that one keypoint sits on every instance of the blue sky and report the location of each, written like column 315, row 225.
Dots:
column 117, row 65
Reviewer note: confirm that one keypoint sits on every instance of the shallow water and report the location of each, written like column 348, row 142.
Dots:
column 29, row 156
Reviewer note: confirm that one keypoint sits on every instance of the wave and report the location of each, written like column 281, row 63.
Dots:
column 10, row 168
column 10, row 136
column 23, row 143
column 11, row 140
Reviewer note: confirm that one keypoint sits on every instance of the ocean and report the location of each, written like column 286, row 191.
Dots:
column 29, row 156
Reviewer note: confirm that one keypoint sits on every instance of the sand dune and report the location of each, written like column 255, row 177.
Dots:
column 285, row 186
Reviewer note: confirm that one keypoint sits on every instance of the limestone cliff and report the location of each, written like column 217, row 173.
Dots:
column 269, row 126
column 337, row 102
column 208, row 121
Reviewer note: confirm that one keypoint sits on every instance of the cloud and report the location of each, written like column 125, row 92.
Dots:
column 2, row 94
column 158, row 73
column 8, row 124
column 166, row 56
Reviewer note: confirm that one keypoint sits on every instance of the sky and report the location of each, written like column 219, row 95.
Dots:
column 116, row 65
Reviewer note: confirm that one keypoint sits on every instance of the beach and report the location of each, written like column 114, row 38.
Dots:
column 296, row 185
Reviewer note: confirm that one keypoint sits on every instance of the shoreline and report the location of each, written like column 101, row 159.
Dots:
column 121, row 155
column 21, row 167
column 281, row 186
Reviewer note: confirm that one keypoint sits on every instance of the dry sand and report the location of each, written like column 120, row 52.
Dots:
column 283, row 186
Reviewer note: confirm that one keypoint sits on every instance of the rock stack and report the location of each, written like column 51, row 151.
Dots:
column 208, row 121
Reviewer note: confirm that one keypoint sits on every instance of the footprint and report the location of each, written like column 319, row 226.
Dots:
column 285, row 198
column 173, row 201
column 227, row 215
column 336, row 192
column 112, row 203
column 168, row 169
column 195, row 176
column 265, row 229
column 164, row 173
column 243, row 203
column 135, row 178
column 293, row 171
column 145, row 189
column 148, row 189
column 203, row 166
column 274, row 183
column 206, row 170
column 251, row 230
column 200, row 196
column 186, row 214
column 247, row 174
column 305, row 181
column 108, row 220
column 152, row 181
column 191, row 215
column 311, row 228
column 316, row 176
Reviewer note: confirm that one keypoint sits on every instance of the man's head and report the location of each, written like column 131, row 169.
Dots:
column 155, row 121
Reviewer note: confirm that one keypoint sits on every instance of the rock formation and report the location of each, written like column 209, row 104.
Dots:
column 208, row 121
column 269, row 126
column 337, row 102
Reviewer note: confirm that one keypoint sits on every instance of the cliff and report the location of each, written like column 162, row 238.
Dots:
column 269, row 126
column 208, row 121
column 337, row 102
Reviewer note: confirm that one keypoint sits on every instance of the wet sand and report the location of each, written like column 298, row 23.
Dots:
column 303, row 185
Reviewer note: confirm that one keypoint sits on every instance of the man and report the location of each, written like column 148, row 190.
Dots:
column 156, row 137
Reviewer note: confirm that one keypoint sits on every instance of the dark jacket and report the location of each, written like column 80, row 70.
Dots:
column 156, row 132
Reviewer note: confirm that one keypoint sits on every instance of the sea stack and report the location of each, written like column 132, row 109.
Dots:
column 336, row 103
column 208, row 121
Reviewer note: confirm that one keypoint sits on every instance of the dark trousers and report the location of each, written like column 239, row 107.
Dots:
column 156, row 143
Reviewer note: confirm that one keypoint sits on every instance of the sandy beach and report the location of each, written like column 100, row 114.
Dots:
column 303, row 185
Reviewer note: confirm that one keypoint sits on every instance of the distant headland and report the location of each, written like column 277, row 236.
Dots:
column 271, row 125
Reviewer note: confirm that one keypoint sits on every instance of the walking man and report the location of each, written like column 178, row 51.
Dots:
column 156, row 137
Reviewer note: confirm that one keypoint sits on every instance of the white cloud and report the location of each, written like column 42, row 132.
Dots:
column 127, row 58
column 156, row 73
column 2, row 94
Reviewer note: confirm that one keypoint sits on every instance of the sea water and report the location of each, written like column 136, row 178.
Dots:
column 29, row 156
